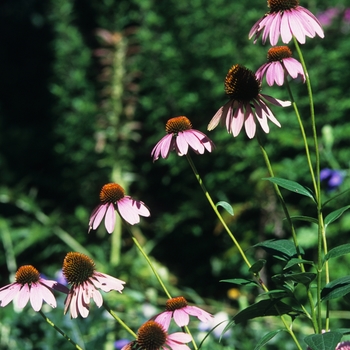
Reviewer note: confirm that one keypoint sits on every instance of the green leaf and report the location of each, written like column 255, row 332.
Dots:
column 282, row 248
column 266, row 338
column 302, row 277
column 335, row 215
column 291, row 186
column 324, row 341
column 337, row 251
column 261, row 309
column 257, row 266
column 336, row 289
column 226, row 206
column 296, row 261
column 242, row 282
column 304, row 218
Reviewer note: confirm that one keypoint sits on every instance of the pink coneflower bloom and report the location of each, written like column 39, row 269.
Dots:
column 280, row 62
column 153, row 336
column 179, row 136
column 113, row 198
column 30, row 286
column 344, row 345
column 288, row 19
column 246, row 104
column 79, row 271
column 178, row 309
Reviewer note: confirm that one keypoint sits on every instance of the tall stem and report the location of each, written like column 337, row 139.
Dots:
column 59, row 330
column 321, row 227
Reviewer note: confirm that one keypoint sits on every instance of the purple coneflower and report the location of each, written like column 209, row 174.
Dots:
column 179, row 136
column 280, row 61
column 288, row 19
column 30, row 286
column 246, row 104
column 344, row 345
column 178, row 309
column 79, row 271
column 113, row 198
column 152, row 336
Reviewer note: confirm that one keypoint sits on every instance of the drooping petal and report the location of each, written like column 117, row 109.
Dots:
column 9, row 293
column 54, row 285
column 237, row 121
column 249, row 124
column 177, row 340
column 276, row 101
column 204, row 139
column 140, row 207
column 110, row 218
column 275, row 26
column 82, row 307
column 215, row 120
column 36, row 299
column 181, row 144
column 23, row 296
column 97, row 298
column 48, row 296
column 181, row 318
column 164, row 319
column 194, row 142
column 98, row 215
column 199, row 313
column 127, row 211
column 107, row 283
column 295, row 26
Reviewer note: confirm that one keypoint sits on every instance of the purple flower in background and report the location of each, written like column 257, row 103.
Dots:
column 346, row 17
column 119, row 344
column 331, row 178
column 327, row 16
column 344, row 345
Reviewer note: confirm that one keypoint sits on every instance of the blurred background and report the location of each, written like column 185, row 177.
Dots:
column 86, row 89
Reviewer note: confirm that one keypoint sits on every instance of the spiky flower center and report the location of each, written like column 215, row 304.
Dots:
column 177, row 124
column 151, row 336
column 282, row 5
column 176, row 303
column 27, row 274
column 241, row 84
column 278, row 53
column 77, row 268
column 111, row 193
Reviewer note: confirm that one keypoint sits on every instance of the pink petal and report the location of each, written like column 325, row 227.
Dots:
column 54, row 285
column 74, row 303
column 141, row 208
column 181, row 144
column 97, row 298
column 106, row 282
column 164, row 319
column 9, row 292
column 314, row 22
column 36, row 298
column 97, row 216
column 286, row 31
column 167, row 145
column 48, row 296
column 181, row 318
column 175, row 340
column 67, row 302
column 193, row 141
column 127, row 211
column 275, row 28
column 265, row 109
column 215, row 120
column 204, row 139
column 199, row 313
column 110, row 218
column 249, row 124
column 276, row 101
column 23, row 296
column 83, row 307
column 295, row 26
column 237, row 120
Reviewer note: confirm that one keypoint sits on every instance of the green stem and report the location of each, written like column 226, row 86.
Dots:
column 160, row 281
column 321, row 227
column 217, row 212
column 151, row 266
column 291, row 225
column 59, row 330
column 113, row 314
column 263, row 286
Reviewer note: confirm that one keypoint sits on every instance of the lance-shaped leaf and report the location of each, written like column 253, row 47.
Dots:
column 242, row 282
column 226, row 206
column 257, row 266
column 324, row 341
column 263, row 308
column 337, row 251
column 281, row 248
column 266, row 338
column 291, row 186
column 336, row 289
column 296, row 261
column 334, row 215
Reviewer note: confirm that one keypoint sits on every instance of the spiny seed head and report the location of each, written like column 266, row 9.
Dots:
column 77, row 268
column 278, row 53
column 111, row 193
column 241, row 84
column 176, row 303
column 177, row 124
column 282, row 5
column 27, row 274
column 151, row 336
